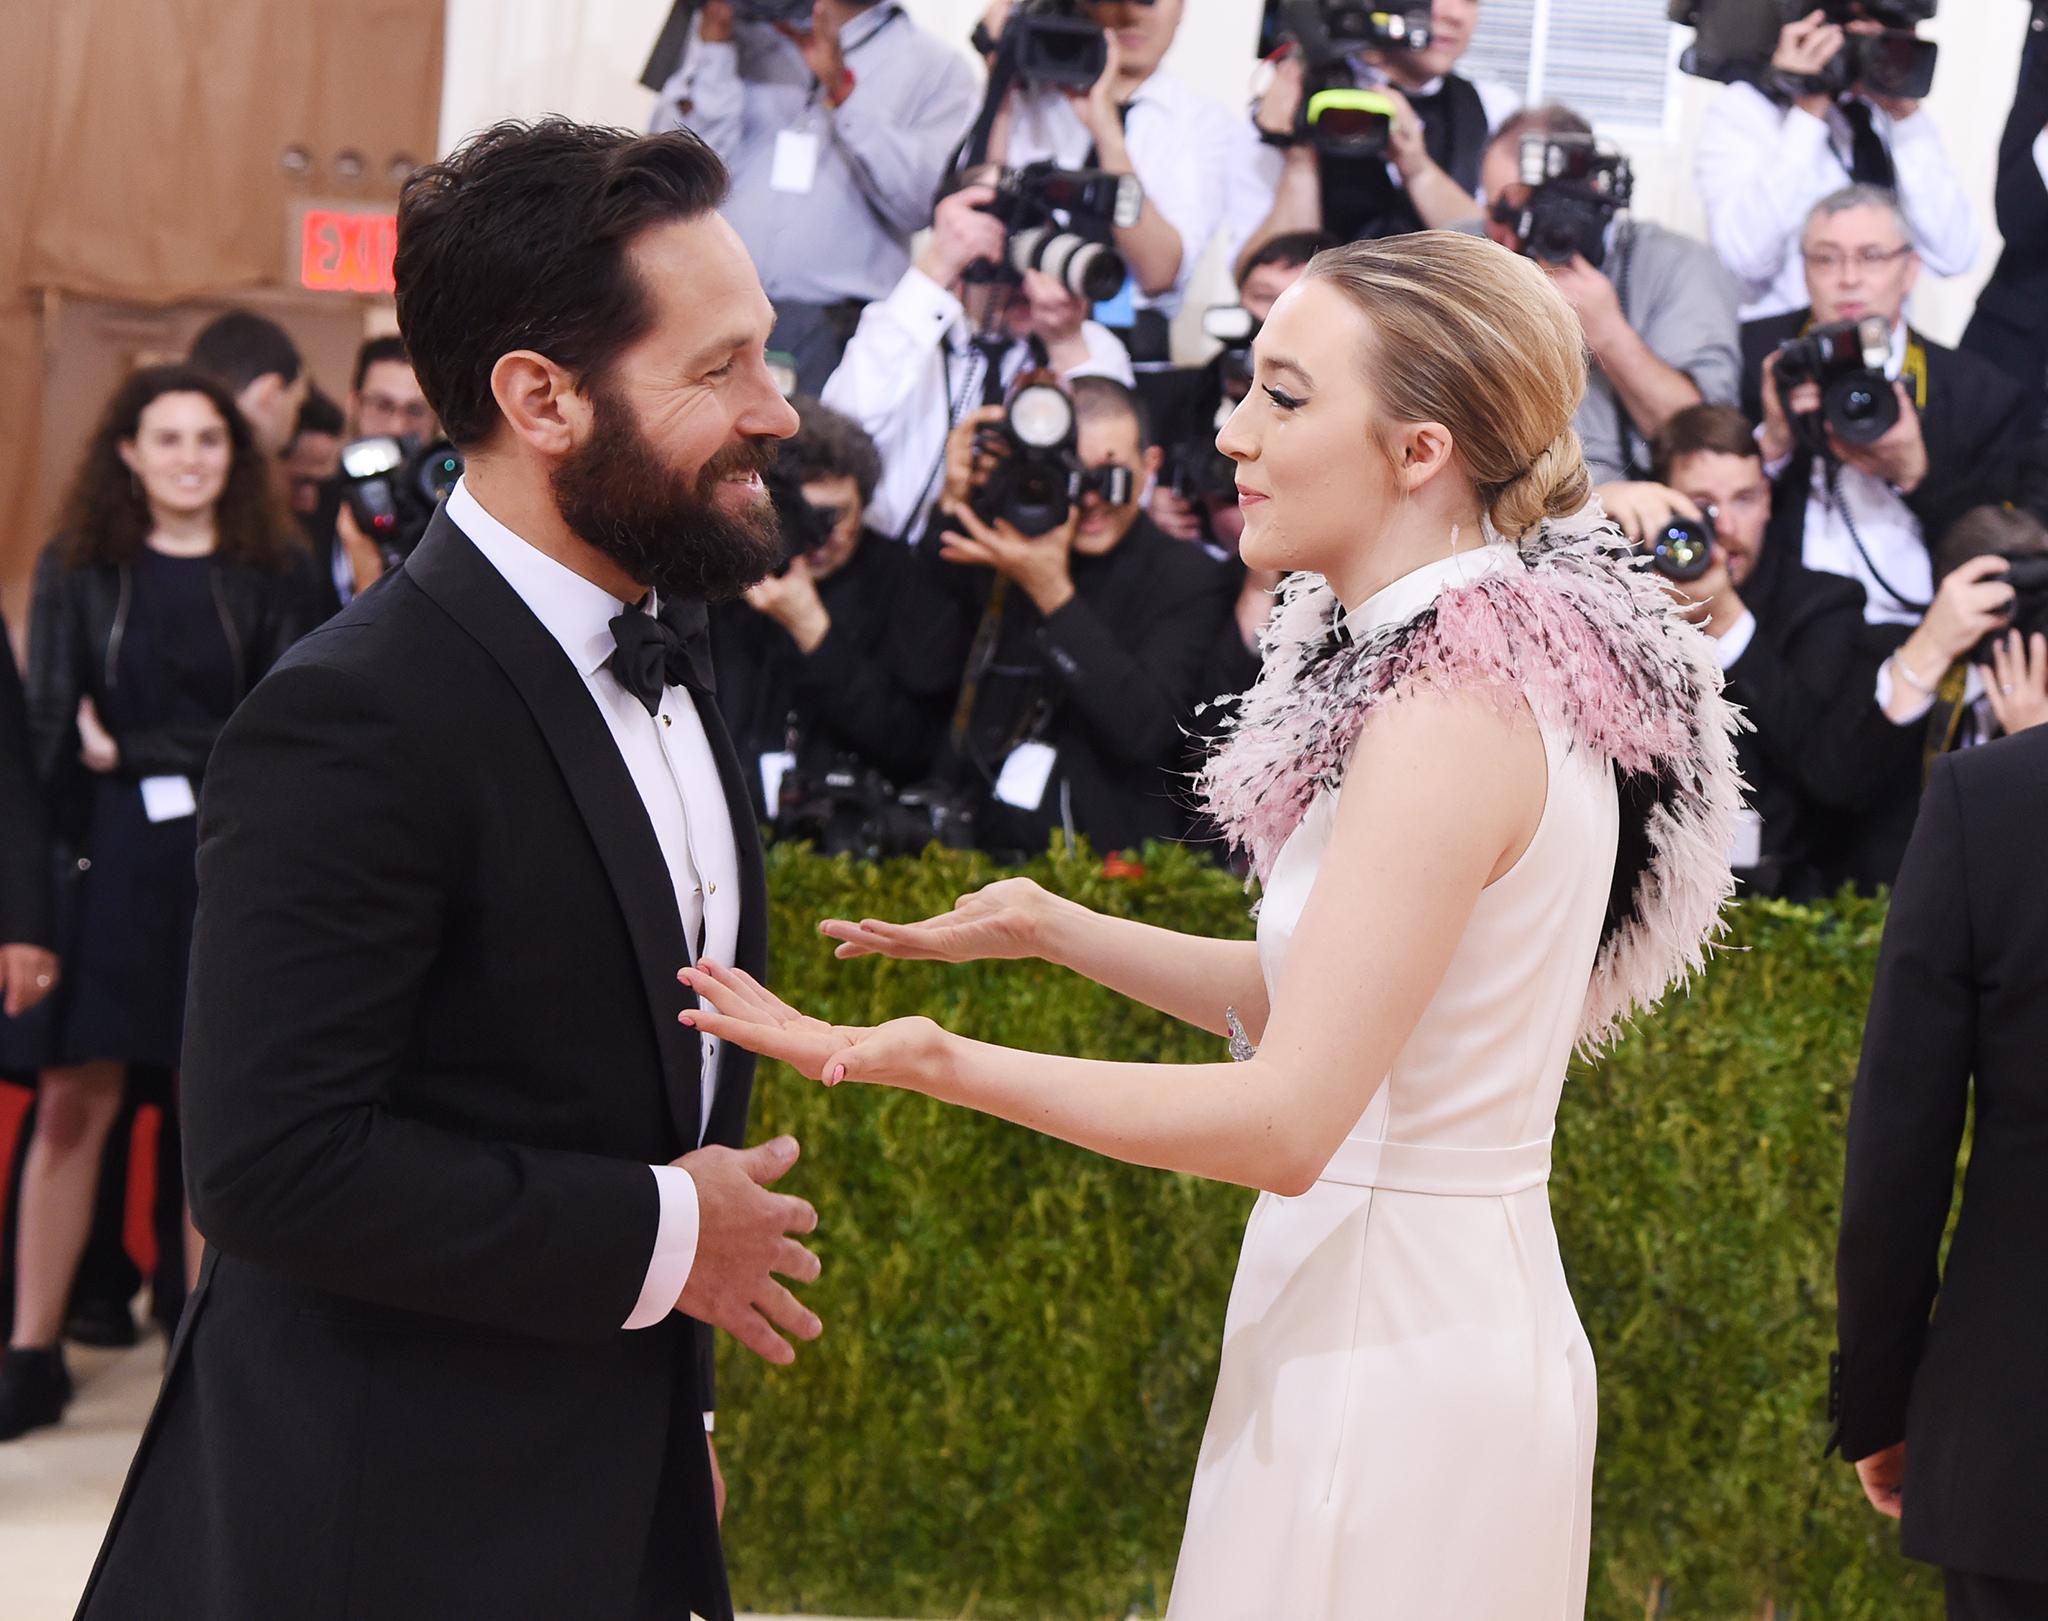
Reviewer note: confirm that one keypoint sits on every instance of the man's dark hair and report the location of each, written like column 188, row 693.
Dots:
column 1553, row 118
column 1288, row 250
column 1988, row 532
column 828, row 444
column 241, row 346
column 319, row 414
column 518, row 240
column 376, row 352
column 1104, row 396
column 1717, row 428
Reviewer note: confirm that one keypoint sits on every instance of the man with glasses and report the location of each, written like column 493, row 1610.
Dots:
column 384, row 401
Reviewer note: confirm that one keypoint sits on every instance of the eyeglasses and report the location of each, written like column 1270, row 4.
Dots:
column 1831, row 261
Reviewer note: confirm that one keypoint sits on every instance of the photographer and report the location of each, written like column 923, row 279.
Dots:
column 1657, row 308
column 941, row 346
column 1135, row 120
column 313, row 457
column 802, row 678
column 1194, row 496
column 837, row 130
column 1865, row 503
column 256, row 361
column 1428, row 176
column 1763, row 161
column 2010, row 326
column 1070, row 659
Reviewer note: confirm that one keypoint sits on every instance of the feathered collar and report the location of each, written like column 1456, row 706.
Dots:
column 1576, row 623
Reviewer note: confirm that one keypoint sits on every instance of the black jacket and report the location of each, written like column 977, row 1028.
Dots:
column 1977, row 423
column 1109, row 682
column 76, row 621
column 2010, row 326
column 432, row 1049
column 25, row 902
column 843, row 699
column 1949, row 1360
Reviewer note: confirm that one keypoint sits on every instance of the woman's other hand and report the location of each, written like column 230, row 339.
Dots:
column 1006, row 920
column 906, row 1053
column 96, row 746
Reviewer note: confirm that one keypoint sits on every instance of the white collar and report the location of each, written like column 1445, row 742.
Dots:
column 1403, row 598
column 1896, row 361
column 575, row 611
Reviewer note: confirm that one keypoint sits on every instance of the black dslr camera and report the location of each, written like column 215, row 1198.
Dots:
column 392, row 486
column 1055, row 42
column 1037, row 478
column 797, row 13
column 1576, row 187
column 1736, row 40
column 1847, row 359
column 1057, row 220
column 850, row 809
column 2027, row 574
column 1338, row 116
column 805, row 528
column 1683, row 549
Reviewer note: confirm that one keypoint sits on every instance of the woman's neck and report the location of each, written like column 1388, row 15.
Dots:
column 182, row 534
column 1414, row 537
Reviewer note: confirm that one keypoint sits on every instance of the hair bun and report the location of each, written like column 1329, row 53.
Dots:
column 1554, row 485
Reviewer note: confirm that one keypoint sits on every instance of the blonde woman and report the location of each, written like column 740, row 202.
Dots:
column 1487, row 781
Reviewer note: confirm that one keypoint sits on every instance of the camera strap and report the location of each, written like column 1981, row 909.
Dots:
column 981, row 653
column 1841, row 505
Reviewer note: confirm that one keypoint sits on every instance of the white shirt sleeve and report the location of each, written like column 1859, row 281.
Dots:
column 704, row 94
column 1107, row 356
column 1179, row 151
column 896, row 341
column 1731, row 647
column 1945, row 227
column 1759, row 172
column 1922, row 701
column 675, row 1247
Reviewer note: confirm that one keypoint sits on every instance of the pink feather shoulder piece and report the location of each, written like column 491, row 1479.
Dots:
column 1577, row 624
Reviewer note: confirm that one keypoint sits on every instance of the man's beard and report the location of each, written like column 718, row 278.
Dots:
column 668, row 531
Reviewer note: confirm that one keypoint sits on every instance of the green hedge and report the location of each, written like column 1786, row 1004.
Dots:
column 1003, row 1415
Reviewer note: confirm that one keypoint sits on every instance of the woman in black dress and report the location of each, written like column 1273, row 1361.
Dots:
column 174, row 586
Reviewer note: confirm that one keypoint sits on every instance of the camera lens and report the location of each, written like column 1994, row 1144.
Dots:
column 1042, row 416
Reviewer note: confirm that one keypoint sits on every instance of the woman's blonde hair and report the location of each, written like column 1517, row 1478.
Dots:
column 1470, row 335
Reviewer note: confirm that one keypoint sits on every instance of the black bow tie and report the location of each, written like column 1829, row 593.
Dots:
column 653, row 654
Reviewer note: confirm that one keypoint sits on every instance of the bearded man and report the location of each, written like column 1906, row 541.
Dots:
column 471, row 1192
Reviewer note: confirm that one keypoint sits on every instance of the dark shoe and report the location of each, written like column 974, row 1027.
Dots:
column 34, row 1390
column 108, row 1324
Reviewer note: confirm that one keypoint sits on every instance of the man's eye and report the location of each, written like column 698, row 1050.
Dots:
column 723, row 371
column 1286, row 402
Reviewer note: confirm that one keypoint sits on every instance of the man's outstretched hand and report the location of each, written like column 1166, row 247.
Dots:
column 744, row 1244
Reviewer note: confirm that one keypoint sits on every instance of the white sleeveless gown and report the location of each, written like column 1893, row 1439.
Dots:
column 1404, row 1418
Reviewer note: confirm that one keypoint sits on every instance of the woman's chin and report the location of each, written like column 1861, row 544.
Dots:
column 1255, row 546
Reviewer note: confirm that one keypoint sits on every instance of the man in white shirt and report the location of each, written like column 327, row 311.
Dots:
column 940, row 348
column 1762, row 164
column 470, row 1184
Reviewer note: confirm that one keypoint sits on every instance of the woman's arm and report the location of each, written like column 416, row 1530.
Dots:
column 1443, row 794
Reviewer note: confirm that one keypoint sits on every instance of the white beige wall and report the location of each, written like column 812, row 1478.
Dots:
column 521, row 58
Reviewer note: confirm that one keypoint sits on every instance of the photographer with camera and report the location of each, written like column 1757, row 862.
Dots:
column 1835, row 114
column 1400, row 147
column 803, row 681
column 1194, row 496
column 961, row 325
column 836, row 119
column 1061, row 630
column 1129, row 118
column 1876, row 439
column 1657, row 308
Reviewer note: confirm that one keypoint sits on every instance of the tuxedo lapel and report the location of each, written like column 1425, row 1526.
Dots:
column 456, row 575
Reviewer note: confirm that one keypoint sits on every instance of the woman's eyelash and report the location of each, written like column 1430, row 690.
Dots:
column 1286, row 402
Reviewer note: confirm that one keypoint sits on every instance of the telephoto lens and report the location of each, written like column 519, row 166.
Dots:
column 1087, row 269
column 1683, row 549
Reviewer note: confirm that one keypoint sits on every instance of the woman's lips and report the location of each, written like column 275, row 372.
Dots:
column 1249, row 497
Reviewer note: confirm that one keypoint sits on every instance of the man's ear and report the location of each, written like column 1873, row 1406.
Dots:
column 542, row 404
column 1150, row 463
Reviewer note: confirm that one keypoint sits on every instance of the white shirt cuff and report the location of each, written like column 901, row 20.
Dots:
column 675, row 1247
column 1922, row 701
column 710, row 1422
column 921, row 306
column 1732, row 646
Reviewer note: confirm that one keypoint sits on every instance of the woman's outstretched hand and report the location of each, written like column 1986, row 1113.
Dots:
column 1009, row 919
column 906, row 1053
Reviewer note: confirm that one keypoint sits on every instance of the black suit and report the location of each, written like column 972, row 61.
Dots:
column 432, row 1051
column 2010, row 326
column 1961, row 995
column 25, row 899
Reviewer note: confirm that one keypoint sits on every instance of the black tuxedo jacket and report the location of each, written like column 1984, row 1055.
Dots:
column 25, row 901
column 1961, row 995
column 1977, row 423
column 431, row 1050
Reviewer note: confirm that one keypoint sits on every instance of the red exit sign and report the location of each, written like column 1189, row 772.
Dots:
column 347, row 250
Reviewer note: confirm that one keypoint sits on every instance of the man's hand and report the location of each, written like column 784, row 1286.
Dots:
column 1778, row 440
column 27, row 975
column 962, row 234
column 715, row 22
column 97, row 750
column 1038, row 564
column 791, row 599
column 996, row 18
column 1642, row 508
column 1174, row 514
column 1099, row 107
column 2017, row 682
column 1279, row 109
column 1404, row 140
column 1805, row 47
column 1972, row 602
column 365, row 560
column 967, row 460
column 743, row 1242
column 1899, row 458
column 1592, row 298
column 1884, row 1475
column 821, row 51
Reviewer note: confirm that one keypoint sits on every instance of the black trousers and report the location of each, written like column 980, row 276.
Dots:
column 1994, row 1598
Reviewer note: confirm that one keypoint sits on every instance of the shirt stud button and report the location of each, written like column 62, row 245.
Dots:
column 711, row 889
column 666, row 721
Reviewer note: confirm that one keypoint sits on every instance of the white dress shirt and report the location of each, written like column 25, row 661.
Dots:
column 910, row 372
column 1760, row 168
column 670, row 759
column 1890, row 533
